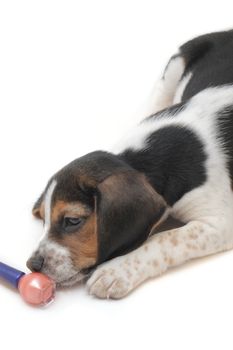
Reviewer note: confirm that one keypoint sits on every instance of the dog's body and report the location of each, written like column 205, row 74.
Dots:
column 178, row 162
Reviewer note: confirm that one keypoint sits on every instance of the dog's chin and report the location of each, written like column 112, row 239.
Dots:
column 64, row 280
column 69, row 281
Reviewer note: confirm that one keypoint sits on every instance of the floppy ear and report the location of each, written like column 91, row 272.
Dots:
column 127, row 209
column 38, row 208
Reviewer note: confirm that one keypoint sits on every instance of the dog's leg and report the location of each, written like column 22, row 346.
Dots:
column 164, row 90
column 116, row 278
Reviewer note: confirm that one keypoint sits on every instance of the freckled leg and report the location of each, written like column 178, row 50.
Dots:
column 116, row 278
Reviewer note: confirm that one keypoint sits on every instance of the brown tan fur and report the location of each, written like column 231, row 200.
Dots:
column 38, row 212
column 83, row 243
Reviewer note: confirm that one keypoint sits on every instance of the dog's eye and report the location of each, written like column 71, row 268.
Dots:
column 70, row 222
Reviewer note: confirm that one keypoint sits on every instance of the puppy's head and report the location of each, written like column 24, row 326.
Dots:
column 94, row 209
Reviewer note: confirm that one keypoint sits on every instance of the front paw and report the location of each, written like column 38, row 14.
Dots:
column 109, row 281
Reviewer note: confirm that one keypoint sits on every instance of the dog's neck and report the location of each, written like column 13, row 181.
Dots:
column 173, row 161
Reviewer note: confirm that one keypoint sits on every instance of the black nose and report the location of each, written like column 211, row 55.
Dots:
column 35, row 263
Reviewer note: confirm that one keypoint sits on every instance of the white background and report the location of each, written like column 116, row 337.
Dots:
column 74, row 76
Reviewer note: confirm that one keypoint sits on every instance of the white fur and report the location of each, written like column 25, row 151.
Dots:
column 207, row 210
column 47, row 208
column 164, row 90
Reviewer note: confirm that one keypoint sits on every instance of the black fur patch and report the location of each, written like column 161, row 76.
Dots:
column 209, row 57
column 225, row 134
column 173, row 159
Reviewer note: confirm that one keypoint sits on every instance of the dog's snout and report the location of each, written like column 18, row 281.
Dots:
column 35, row 263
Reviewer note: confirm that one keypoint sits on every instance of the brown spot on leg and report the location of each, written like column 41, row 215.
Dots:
column 161, row 238
column 129, row 274
column 170, row 261
column 137, row 261
column 174, row 241
column 191, row 246
column 127, row 262
column 193, row 236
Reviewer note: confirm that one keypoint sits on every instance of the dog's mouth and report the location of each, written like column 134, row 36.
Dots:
column 74, row 279
column 70, row 281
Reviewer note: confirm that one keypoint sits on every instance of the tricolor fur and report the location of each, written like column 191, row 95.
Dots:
column 103, row 211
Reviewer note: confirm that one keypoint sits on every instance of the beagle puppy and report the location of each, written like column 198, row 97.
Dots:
column 103, row 212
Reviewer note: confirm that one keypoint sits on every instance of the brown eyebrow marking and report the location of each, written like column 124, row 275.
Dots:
column 65, row 208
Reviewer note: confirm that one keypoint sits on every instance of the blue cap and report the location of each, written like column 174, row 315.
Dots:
column 10, row 275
